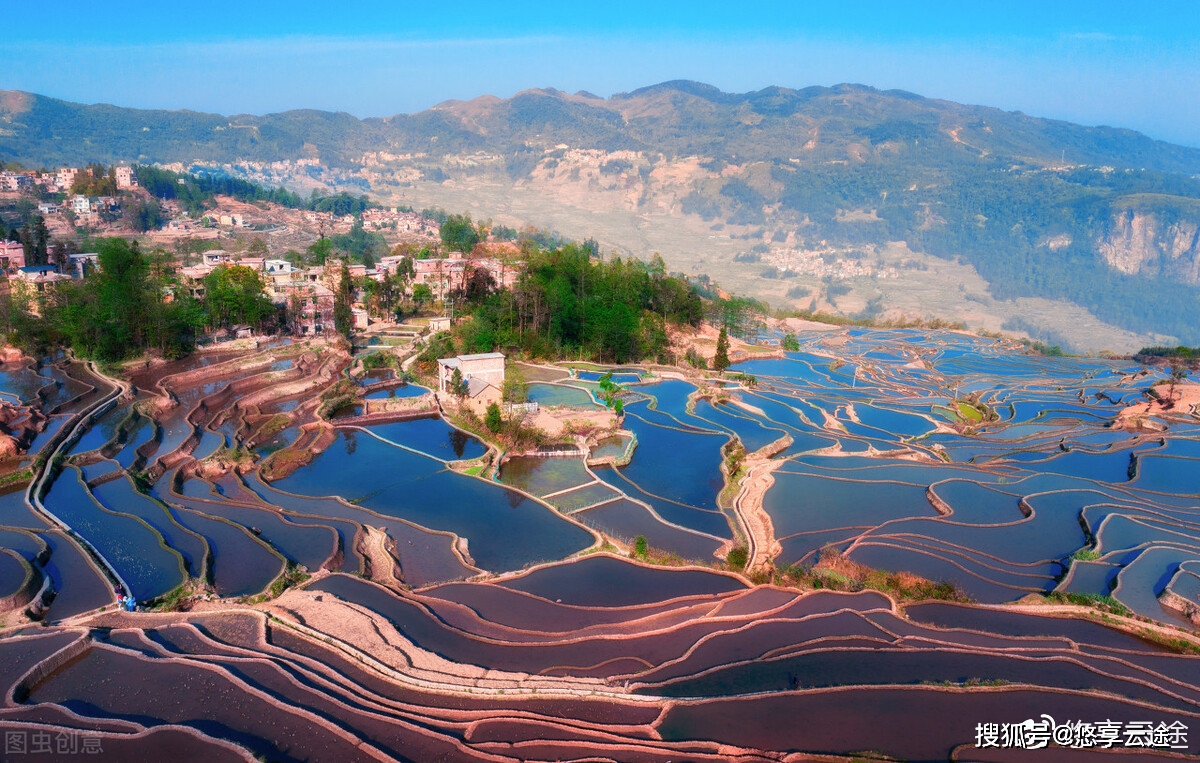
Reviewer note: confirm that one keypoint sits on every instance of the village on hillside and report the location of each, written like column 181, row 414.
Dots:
column 291, row 250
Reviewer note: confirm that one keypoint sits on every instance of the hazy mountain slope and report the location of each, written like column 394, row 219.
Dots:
column 676, row 118
column 1102, row 217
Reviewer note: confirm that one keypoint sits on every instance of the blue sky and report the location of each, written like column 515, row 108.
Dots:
column 1126, row 64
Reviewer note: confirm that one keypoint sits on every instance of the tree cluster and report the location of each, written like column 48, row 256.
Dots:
column 133, row 303
column 459, row 234
column 569, row 303
column 195, row 193
column 95, row 180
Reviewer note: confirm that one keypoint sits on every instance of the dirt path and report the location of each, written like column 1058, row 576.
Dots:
column 763, row 547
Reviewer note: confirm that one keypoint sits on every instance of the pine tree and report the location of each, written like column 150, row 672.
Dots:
column 721, row 359
column 343, row 316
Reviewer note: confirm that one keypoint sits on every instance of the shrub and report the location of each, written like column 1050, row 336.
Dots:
column 492, row 419
column 640, row 546
column 737, row 557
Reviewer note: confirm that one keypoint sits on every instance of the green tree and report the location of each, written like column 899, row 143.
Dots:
column 390, row 288
column 459, row 234
column 458, row 386
column 721, row 359
column 422, row 294
column 1179, row 372
column 36, row 240
column 117, row 312
column 362, row 245
column 405, row 270
column 790, row 343
column 143, row 215
column 609, row 390
column 640, row 546
column 515, row 388
column 478, row 283
column 492, row 418
column 233, row 294
column 343, row 316
column 737, row 557
column 320, row 251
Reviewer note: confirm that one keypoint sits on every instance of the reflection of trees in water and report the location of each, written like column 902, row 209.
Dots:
column 458, row 441
column 514, row 498
column 351, row 441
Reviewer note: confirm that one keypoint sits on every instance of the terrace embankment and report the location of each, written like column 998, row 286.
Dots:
column 1174, row 637
column 1184, row 607
column 760, row 532
column 380, row 562
column 703, row 341
column 1167, row 400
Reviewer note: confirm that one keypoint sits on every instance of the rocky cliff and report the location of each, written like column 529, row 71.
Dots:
column 1151, row 244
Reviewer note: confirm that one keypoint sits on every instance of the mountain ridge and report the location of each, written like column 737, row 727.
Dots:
column 773, row 102
column 1103, row 217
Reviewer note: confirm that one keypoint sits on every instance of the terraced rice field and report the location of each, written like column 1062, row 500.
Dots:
column 374, row 601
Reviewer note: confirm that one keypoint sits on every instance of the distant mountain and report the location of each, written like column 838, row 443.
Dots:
column 1106, row 218
column 679, row 118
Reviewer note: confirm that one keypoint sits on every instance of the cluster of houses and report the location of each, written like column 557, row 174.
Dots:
column 86, row 209
column 447, row 275
column 30, row 280
column 311, row 289
column 59, row 180
column 314, row 288
column 411, row 223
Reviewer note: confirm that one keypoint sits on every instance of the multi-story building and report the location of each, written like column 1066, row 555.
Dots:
column 65, row 177
column 15, row 181
column 214, row 257
column 442, row 276
column 314, row 307
column 12, row 256
column 126, row 178
column 32, row 283
column 482, row 376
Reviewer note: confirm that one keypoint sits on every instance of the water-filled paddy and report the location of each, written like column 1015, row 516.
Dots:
column 611, row 447
column 241, row 564
column 13, row 570
column 559, row 394
column 79, row 586
column 574, row 500
column 119, row 496
column 357, row 465
column 1016, row 489
column 541, row 476
column 135, row 550
column 626, row 520
column 602, row 581
column 400, row 391
column 504, row 529
column 432, row 436
column 1043, row 497
column 618, row 376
